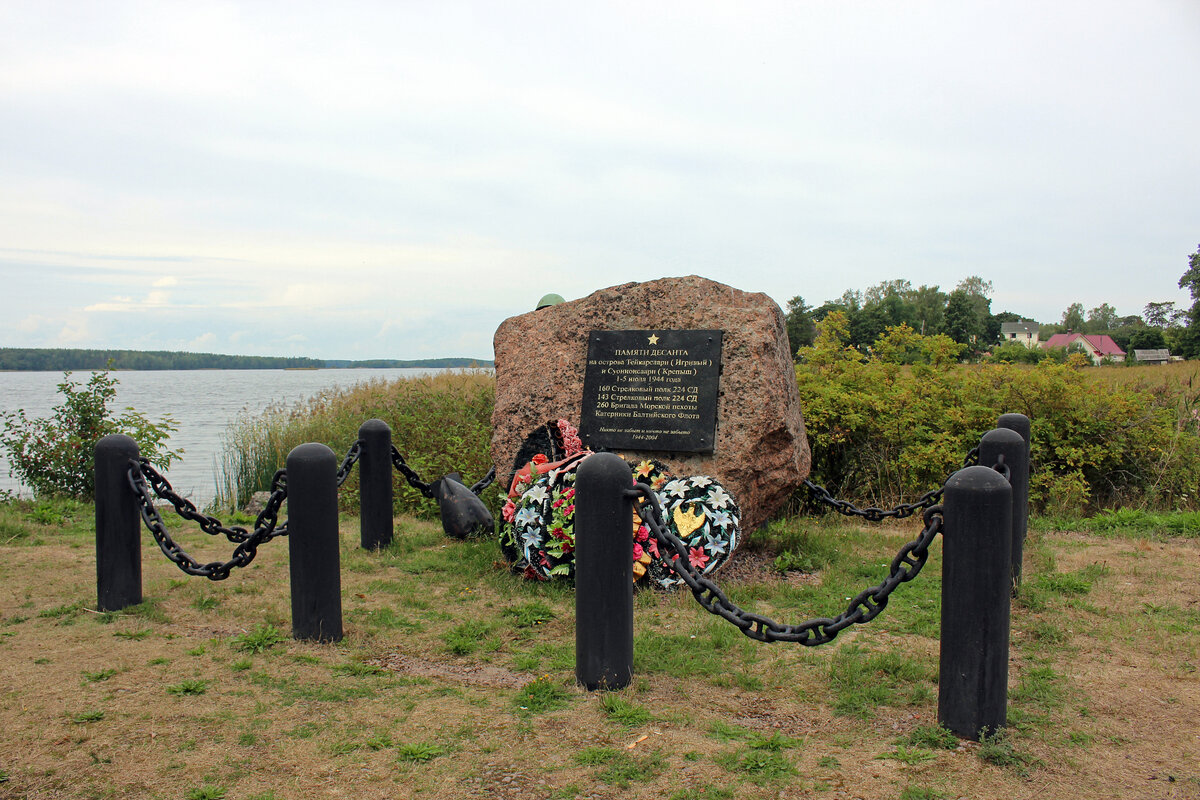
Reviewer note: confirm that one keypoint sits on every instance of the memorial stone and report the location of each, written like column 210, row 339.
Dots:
column 757, row 448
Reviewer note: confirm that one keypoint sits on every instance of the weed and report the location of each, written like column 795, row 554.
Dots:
column 188, row 687
column 133, row 636
column 624, row 712
column 829, row 762
column 528, row 615
column 707, row 793
column 259, row 640
column 540, row 696
column 997, row 749
column 59, row 612
column 96, row 677
column 761, row 766
column 359, row 669
column 206, row 602
column 594, row 755
column 241, row 665
column 931, row 737
column 419, row 752
column 921, row 793
column 908, row 755
column 467, row 637
column 199, row 650
column 94, row 715
column 207, row 792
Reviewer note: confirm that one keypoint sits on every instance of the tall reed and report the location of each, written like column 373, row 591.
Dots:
column 440, row 424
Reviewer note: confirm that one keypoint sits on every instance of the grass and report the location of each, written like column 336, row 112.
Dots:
column 454, row 674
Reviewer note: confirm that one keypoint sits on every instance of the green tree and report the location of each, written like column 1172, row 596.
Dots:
column 56, row 456
column 1189, row 338
column 800, row 326
column 1072, row 318
column 1101, row 319
column 963, row 322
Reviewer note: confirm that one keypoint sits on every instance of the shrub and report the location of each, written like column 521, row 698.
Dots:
column 56, row 456
column 439, row 423
column 881, row 433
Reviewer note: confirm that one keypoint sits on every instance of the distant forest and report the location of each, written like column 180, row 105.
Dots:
column 56, row 360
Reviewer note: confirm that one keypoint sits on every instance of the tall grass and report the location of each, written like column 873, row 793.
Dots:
column 439, row 423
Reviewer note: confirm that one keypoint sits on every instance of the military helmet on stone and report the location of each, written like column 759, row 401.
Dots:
column 551, row 299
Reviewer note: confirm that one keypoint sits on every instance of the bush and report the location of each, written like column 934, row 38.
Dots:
column 56, row 456
column 881, row 433
column 439, row 423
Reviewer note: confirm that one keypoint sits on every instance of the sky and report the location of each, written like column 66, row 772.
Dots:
column 394, row 179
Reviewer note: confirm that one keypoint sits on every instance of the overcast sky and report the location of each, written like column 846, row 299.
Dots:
column 393, row 179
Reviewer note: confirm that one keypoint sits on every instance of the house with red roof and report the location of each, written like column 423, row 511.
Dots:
column 1097, row 345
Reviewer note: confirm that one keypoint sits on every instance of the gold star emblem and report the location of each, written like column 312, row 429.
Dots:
column 654, row 338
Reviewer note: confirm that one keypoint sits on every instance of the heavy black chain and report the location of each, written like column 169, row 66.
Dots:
column 247, row 542
column 185, row 508
column 862, row 608
column 876, row 514
column 348, row 462
column 414, row 480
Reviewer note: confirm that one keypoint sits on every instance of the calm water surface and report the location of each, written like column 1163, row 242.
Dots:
column 202, row 402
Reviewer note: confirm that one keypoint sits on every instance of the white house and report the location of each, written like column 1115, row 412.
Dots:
column 1024, row 332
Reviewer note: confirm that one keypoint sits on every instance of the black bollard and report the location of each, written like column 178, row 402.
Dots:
column 313, row 546
column 375, row 513
column 603, row 573
column 977, row 539
column 1019, row 478
column 118, row 526
column 1007, row 444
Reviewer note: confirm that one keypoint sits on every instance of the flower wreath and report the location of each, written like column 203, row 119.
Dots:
column 538, row 535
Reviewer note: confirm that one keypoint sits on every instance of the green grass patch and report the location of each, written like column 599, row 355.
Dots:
column 540, row 696
column 259, row 640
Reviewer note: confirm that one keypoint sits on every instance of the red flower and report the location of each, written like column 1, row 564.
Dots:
column 569, row 510
column 540, row 459
column 509, row 511
column 698, row 557
column 637, row 552
column 653, row 544
column 643, row 533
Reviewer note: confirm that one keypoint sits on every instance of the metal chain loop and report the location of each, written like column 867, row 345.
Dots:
column 248, row 543
column 185, row 508
column 352, row 456
column 876, row 514
column 863, row 608
column 414, row 480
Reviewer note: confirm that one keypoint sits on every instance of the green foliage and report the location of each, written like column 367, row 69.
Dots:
column 620, row 710
column 188, row 688
column 419, row 752
column 56, row 455
column 540, row 696
column 440, row 423
column 262, row 638
column 881, row 433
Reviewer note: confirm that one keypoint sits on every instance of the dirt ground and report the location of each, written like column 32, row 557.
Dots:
column 170, row 705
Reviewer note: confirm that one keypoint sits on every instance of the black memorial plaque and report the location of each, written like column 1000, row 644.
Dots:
column 651, row 390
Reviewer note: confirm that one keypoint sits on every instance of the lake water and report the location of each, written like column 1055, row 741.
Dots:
column 202, row 402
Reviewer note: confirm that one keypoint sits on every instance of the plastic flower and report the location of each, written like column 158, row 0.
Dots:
column 637, row 551
column 539, row 459
column 701, row 480
column 677, row 487
column 644, row 469
column 527, row 516
column 721, row 519
column 698, row 557
column 537, row 494
column 718, row 497
column 509, row 511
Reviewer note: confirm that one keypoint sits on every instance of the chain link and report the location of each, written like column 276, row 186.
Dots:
column 862, row 608
column 348, row 462
column 876, row 514
column 414, row 480
column 142, row 477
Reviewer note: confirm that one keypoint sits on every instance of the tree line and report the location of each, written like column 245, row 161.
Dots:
column 18, row 359
column 965, row 315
